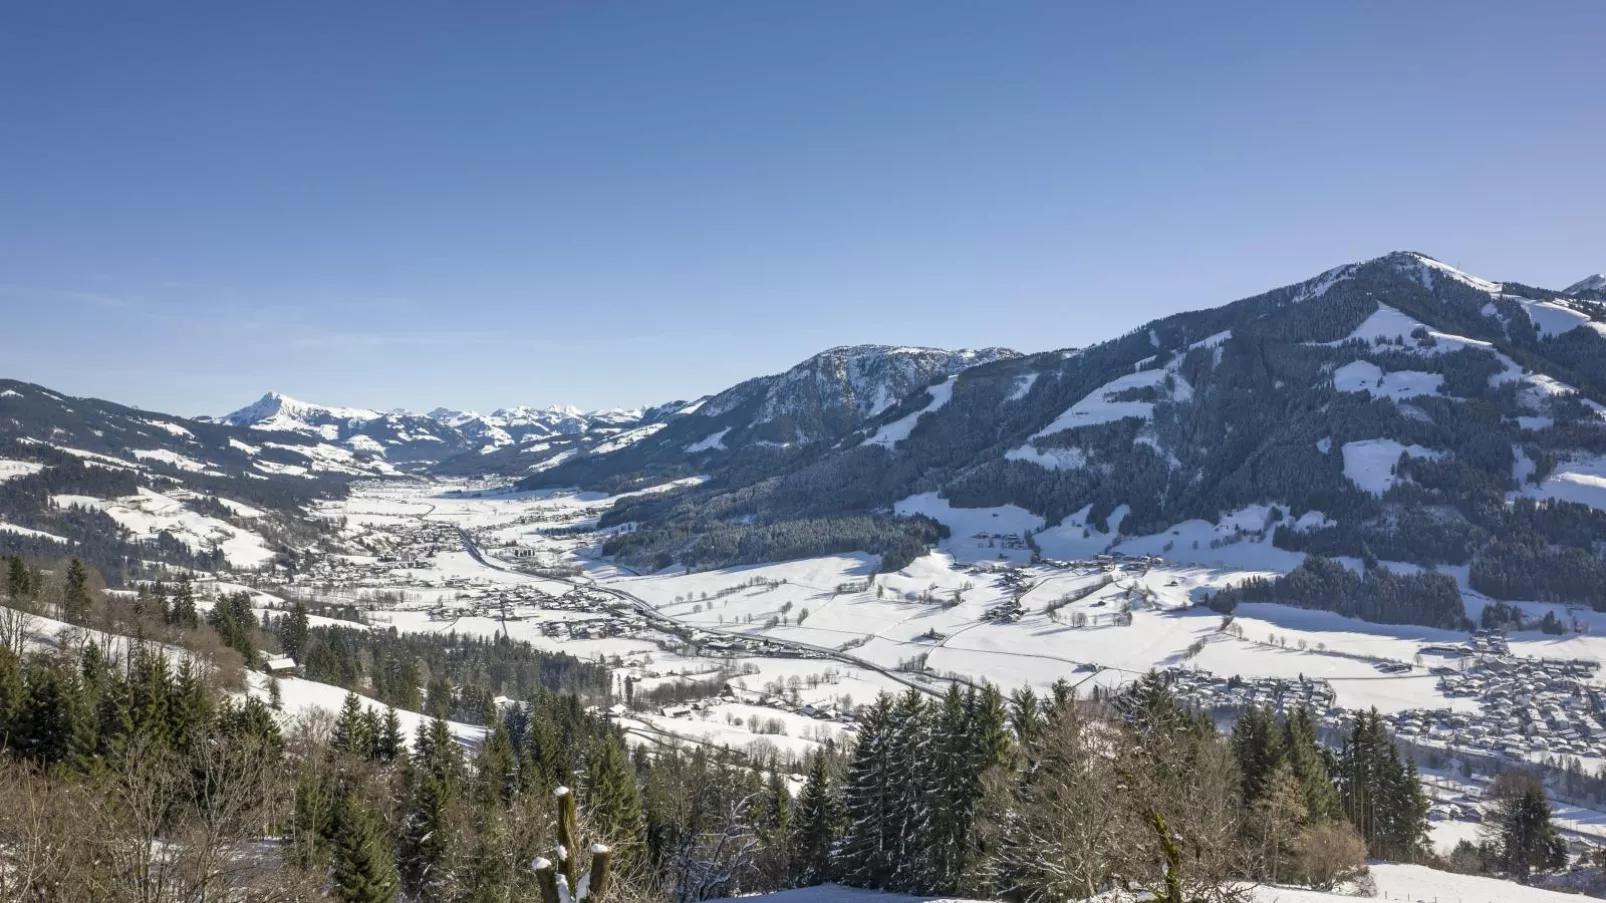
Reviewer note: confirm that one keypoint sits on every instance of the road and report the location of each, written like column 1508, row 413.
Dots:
column 654, row 614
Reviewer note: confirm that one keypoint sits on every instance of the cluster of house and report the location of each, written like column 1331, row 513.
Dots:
column 818, row 711
column 727, row 646
column 1206, row 691
column 1528, row 706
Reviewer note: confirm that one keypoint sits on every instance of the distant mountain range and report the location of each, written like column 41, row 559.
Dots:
column 1395, row 409
column 443, row 440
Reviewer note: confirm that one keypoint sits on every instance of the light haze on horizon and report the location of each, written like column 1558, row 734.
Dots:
column 612, row 205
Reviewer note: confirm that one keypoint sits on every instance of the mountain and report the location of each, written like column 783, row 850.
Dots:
column 122, row 488
column 768, row 419
column 1595, row 283
column 443, row 441
column 1592, row 288
column 1396, row 410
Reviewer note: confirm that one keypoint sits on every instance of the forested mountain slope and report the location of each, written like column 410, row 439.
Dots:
column 1395, row 409
column 769, row 422
column 116, row 486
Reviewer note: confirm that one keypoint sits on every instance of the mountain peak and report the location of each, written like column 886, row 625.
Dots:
column 1595, row 283
column 276, row 410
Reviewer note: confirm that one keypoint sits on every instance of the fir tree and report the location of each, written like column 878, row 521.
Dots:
column 19, row 583
column 363, row 870
column 75, row 595
column 389, row 741
column 861, row 857
column 818, row 821
column 293, row 634
column 613, row 802
column 1519, row 826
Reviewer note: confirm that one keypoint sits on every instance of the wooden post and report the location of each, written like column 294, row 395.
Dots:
column 568, row 838
column 601, row 855
column 547, row 878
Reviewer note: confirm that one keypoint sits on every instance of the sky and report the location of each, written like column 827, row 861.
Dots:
column 409, row 204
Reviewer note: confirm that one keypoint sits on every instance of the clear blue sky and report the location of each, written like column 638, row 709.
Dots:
column 610, row 204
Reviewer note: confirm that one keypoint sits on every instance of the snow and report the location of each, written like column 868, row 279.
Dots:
column 1369, row 463
column 39, row 534
column 237, row 445
column 1552, row 319
column 149, row 513
column 972, row 529
column 1324, row 444
column 625, row 439
column 898, row 430
column 1362, row 376
column 1097, row 407
column 365, row 444
column 1431, row 267
column 12, row 469
column 172, row 428
column 95, row 458
column 1049, row 458
column 711, row 442
column 300, row 698
column 240, row 510
column 1023, row 387
column 1582, row 479
column 171, row 458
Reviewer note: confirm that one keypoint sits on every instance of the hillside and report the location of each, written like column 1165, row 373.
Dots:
column 767, row 423
column 1395, row 410
column 119, row 487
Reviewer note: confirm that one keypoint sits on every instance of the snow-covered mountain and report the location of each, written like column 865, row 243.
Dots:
column 117, row 486
column 813, row 405
column 1595, row 283
column 1395, row 409
column 443, row 440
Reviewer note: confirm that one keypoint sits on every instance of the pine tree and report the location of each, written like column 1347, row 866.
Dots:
column 189, row 709
column 1306, row 756
column 429, row 839
column 861, row 857
column 184, row 614
column 1258, row 746
column 363, row 868
column 389, row 743
column 19, row 584
column 497, row 769
column 294, row 632
column 75, row 596
column 818, row 821
column 613, row 802
column 908, row 825
column 349, row 734
column 1519, row 827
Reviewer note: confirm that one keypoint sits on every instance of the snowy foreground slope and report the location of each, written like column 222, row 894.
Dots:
column 1410, row 883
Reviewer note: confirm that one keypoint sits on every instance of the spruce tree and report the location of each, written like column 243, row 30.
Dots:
column 294, row 631
column 363, row 869
column 613, row 802
column 349, row 735
column 1519, row 826
column 19, row 584
column 861, row 857
column 189, row 709
column 390, row 737
column 1306, row 756
column 818, row 822
column 75, row 595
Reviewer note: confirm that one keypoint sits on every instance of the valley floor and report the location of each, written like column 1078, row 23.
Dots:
column 799, row 643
